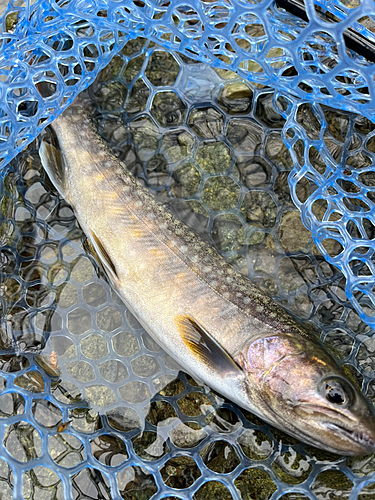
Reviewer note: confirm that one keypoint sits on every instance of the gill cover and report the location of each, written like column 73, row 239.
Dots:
column 304, row 392
column 293, row 371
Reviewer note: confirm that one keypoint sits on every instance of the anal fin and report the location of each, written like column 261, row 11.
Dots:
column 54, row 164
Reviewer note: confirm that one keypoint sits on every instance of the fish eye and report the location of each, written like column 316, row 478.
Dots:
column 337, row 391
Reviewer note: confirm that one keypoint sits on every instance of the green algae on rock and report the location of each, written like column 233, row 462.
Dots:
column 332, row 483
column 255, row 444
column 212, row 489
column 180, row 472
column 228, row 233
column 292, row 468
column 160, row 413
column 220, row 193
column 186, row 180
column 194, row 404
column 255, row 484
column 259, row 209
column 213, row 157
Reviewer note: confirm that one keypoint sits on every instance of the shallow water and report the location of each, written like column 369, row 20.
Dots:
column 90, row 406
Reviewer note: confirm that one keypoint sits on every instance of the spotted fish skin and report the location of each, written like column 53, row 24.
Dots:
column 233, row 337
column 169, row 257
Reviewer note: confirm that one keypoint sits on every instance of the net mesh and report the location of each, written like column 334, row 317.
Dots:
column 67, row 43
column 90, row 407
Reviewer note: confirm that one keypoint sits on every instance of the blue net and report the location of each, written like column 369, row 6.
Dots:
column 337, row 160
column 323, row 57
column 90, row 407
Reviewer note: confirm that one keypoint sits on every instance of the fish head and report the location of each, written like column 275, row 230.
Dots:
column 301, row 390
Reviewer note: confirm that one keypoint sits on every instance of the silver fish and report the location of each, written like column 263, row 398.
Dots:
column 213, row 321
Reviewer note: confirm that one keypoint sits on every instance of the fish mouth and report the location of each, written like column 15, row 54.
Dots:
column 358, row 437
column 361, row 438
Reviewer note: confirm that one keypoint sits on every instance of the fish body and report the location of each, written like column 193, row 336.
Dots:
column 213, row 321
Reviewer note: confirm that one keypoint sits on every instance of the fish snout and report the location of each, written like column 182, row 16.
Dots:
column 359, row 441
column 346, row 431
column 361, row 429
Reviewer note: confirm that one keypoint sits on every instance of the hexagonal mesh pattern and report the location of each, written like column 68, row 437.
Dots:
column 90, row 407
column 67, row 42
column 334, row 154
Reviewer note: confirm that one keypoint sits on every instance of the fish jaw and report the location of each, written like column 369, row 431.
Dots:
column 302, row 391
column 339, row 432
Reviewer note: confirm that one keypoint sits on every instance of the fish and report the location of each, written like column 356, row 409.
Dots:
column 213, row 321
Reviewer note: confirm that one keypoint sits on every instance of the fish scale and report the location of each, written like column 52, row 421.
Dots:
column 156, row 231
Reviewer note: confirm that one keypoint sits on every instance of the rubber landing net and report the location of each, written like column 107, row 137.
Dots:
column 309, row 57
column 317, row 61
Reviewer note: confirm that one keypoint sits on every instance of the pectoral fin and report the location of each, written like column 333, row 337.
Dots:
column 53, row 163
column 103, row 256
column 205, row 348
